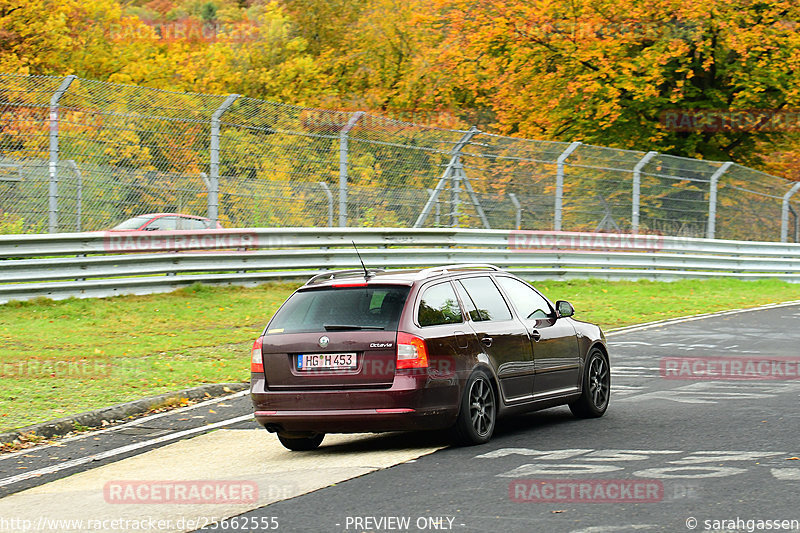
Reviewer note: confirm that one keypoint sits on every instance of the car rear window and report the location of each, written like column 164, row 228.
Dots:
column 341, row 308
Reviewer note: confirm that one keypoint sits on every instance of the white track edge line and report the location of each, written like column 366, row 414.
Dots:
column 117, row 451
column 93, row 433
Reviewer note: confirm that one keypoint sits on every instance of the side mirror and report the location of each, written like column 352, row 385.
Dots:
column 564, row 309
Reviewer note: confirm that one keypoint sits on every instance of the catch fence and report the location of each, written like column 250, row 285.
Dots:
column 84, row 155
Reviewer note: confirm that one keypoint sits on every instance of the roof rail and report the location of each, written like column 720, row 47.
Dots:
column 432, row 271
column 327, row 276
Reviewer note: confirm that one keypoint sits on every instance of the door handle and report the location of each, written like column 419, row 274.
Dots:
column 536, row 335
column 487, row 341
column 461, row 339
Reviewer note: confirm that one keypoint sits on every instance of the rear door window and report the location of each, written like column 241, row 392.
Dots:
column 529, row 303
column 163, row 224
column 466, row 301
column 193, row 223
column 341, row 309
column 438, row 306
column 487, row 298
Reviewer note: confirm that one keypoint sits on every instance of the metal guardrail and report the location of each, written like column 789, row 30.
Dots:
column 108, row 263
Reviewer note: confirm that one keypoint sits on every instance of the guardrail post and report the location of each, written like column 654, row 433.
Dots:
column 343, row 177
column 785, row 211
column 213, row 181
column 78, row 193
column 560, row 183
column 52, row 194
column 637, row 186
column 329, row 194
column 455, row 160
column 517, row 210
column 712, row 199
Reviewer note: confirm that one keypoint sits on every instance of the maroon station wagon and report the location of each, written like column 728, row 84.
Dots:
column 447, row 347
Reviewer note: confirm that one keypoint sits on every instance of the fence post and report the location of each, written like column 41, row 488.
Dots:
column 329, row 194
column 438, row 214
column 455, row 194
column 796, row 223
column 517, row 210
column 785, row 211
column 52, row 194
column 78, row 193
column 560, row 183
column 712, row 200
column 343, row 177
column 637, row 187
column 213, row 181
column 455, row 160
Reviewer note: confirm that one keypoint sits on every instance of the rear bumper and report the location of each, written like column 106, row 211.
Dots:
column 413, row 402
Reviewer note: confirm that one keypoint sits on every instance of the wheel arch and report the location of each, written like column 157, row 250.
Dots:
column 487, row 369
column 602, row 347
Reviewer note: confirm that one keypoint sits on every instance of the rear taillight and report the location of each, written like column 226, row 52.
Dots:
column 411, row 351
column 256, row 359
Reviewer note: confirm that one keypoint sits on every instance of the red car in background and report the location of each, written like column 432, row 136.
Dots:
column 166, row 222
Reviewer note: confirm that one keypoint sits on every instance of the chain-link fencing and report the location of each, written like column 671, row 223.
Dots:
column 82, row 155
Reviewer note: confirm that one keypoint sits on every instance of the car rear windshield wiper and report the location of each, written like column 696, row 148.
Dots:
column 342, row 327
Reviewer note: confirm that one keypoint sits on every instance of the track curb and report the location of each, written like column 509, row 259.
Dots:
column 95, row 419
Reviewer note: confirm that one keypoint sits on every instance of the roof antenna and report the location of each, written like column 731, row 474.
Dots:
column 366, row 272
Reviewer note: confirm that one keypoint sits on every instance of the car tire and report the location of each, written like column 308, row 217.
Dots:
column 478, row 414
column 596, row 387
column 302, row 444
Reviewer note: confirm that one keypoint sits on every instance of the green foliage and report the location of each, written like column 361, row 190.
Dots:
column 11, row 223
column 378, row 217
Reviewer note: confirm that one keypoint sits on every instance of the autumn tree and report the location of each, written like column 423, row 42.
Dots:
column 604, row 71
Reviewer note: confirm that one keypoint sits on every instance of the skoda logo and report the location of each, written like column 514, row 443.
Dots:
column 323, row 341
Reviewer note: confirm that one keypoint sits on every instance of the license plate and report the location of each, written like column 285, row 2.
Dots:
column 326, row 361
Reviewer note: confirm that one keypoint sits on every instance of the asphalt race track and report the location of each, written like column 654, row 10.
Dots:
column 709, row 453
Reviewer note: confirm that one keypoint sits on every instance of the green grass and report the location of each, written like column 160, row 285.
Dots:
column 623, row 303
column 166, row 342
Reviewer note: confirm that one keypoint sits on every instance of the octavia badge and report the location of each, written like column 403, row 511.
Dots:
column 323, row 341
